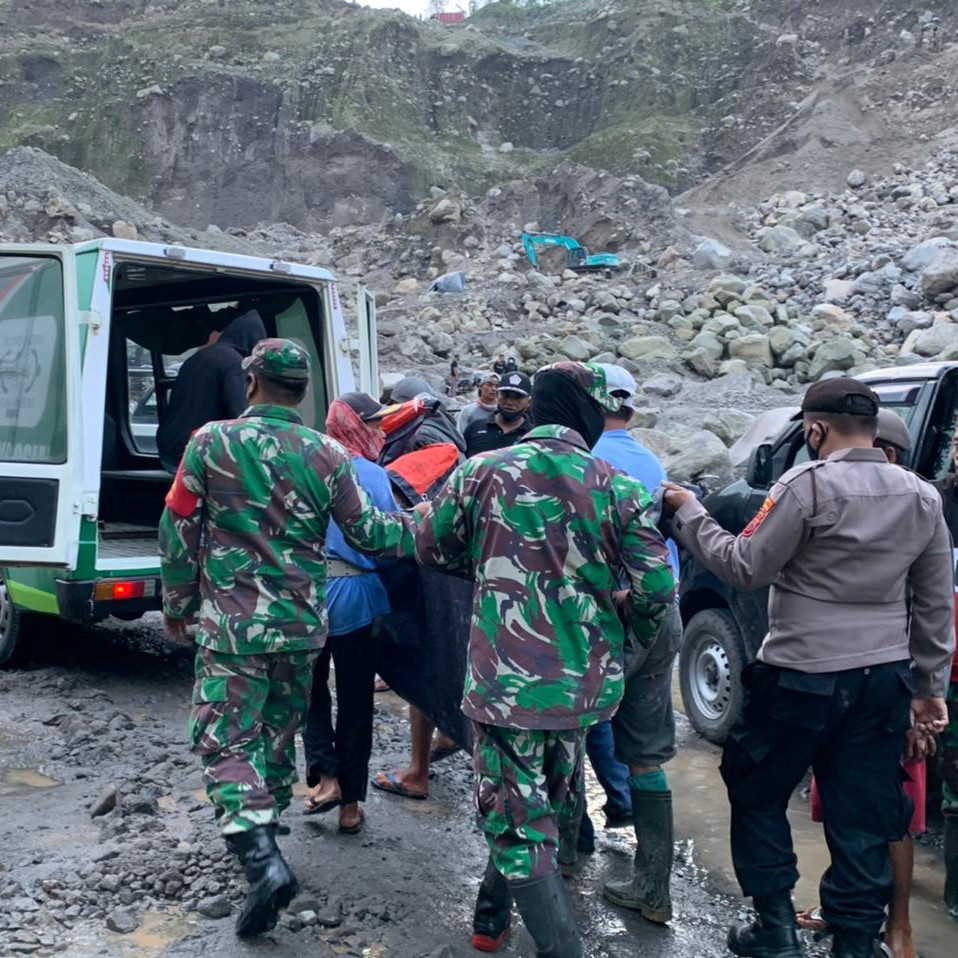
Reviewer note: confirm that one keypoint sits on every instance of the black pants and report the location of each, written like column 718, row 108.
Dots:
column 849, row 727
column 343, row 753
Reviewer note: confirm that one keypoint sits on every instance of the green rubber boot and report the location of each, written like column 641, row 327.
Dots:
column 647, row 891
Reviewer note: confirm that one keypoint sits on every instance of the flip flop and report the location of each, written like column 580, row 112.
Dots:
column 381, row 686
column 354, row 829
column 438, row 754
column 313, row 807
column 390, row 783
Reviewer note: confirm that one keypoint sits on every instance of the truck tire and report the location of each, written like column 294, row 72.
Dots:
column 10, row 621
column 710, row 670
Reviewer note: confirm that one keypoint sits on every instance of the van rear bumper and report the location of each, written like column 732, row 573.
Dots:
column 77, row 602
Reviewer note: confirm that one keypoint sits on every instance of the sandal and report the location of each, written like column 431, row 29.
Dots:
column 444, row 751
column 389, row 782
column 356, row 828
column 316, row 806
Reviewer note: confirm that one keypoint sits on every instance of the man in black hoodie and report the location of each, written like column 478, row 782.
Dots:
column 211, row 385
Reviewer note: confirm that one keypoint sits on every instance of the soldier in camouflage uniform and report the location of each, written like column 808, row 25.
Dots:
column 545, row 528
column 242, row 543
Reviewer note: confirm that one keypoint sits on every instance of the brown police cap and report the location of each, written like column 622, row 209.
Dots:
column 892, row 429
column 841, row 396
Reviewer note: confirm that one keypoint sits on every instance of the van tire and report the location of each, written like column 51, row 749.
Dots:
column 10, row 621
column 710, row 673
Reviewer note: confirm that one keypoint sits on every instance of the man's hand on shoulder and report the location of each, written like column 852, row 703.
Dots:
column 674, row 497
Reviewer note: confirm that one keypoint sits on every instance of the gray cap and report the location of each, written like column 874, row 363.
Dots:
column 892, row 430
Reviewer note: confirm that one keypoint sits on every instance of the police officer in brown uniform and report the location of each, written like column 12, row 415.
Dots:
column 843, row 671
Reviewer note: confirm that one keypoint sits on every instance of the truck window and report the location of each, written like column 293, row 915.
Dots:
column 33, row 413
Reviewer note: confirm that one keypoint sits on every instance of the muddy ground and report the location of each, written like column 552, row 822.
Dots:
column 98, row 717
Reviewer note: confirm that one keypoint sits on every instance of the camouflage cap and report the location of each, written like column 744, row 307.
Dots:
column 591, row 377
column 279, row 359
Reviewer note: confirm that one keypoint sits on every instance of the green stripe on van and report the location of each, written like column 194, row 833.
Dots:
column 34, row 600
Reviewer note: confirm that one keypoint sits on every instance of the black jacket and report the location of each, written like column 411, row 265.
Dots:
column 210, row 385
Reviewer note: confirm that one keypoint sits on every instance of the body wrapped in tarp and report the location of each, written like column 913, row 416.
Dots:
column 421, row 650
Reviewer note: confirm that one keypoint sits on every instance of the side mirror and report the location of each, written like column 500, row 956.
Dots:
column 759, row 471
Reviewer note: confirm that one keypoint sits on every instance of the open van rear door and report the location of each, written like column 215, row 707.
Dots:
column 40, row 429
column 368, row 342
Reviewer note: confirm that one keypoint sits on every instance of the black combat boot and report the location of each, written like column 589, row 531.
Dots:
column 547, row 914
column 774, row 934
column 570, row 824
column 855, row 944
column 272, row 886
column 493, row 914
column 951, row 865
column 647, row 891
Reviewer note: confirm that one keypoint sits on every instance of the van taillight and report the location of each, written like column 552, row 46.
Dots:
column 106, row 591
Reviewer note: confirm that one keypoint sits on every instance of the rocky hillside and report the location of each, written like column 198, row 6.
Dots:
column 320, row 113
column 818, row 235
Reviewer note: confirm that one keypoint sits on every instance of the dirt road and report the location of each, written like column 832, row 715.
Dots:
column 98, row 717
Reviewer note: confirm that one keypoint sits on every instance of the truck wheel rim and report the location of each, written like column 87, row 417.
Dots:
column 6, row 609
column 711, row 680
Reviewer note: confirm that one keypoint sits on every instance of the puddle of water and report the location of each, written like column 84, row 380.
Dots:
column 28, row 778
column 702, row 814
column 157, row 931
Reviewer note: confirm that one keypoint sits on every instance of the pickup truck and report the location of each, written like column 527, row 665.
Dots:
column 724, row 628
column 91, row 339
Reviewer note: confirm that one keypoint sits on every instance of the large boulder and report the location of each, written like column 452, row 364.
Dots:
column 687, row 454
column 836, row 355
column 935, row 339
column 941, row 274
column 700, row 361
column 711, row 254
column 752, row 348
column 708, row 341
column 647, row 347
column 728, row 424
column 782, row 338
column 754, row 315
column 781, row 241
column 447, row 210
column 921, row 255
column 577, row 349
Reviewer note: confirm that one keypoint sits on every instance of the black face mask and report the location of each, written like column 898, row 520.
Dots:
column 812, row 451
column 510, row 415
column 558, row 400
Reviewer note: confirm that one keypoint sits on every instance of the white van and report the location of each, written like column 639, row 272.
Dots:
column 91, row 339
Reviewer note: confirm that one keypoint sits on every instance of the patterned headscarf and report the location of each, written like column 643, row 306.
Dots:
column 345, row 426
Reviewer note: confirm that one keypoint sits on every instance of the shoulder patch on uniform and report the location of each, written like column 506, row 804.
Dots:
column 179, row 499
column 759, row 517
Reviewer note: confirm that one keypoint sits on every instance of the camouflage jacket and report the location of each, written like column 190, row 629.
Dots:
column 546, row 528
column 243, row 535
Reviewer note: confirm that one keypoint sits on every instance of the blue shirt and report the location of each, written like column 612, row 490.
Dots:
column 622, row 450
column 353, row 602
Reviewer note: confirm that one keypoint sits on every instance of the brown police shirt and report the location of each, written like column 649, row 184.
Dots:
column 840, row 542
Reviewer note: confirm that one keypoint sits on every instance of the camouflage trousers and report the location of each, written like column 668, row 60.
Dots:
column 527, row 783
column 245, row 715
column 949, row 756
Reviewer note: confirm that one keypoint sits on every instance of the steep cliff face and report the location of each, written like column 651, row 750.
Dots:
column 322, row 113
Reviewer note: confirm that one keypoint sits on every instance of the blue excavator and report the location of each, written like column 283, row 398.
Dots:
column 578, row 258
